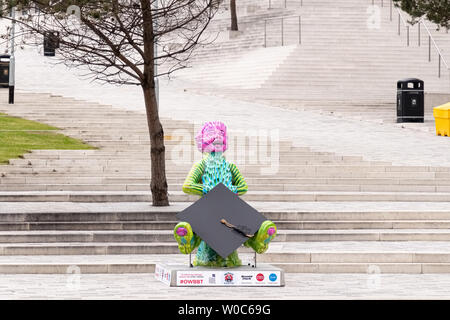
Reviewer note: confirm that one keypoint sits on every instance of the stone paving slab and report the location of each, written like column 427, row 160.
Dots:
column 298, row 286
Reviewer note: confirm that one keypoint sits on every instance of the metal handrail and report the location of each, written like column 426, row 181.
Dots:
column 421, row 21
column 282, row 28
column 430, row 36
column 282, row 17
column 401, row 19
column 440, row 55
column 405, row 24
column 401, row 16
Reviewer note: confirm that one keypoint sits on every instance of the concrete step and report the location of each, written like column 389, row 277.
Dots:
column 101, row 186
column 87, row 249
column 277, row 196
column 297, row 252
column 144, row 158
column 243, row 167
column 135, row 178
column 263, row 171
column 169, row 225
column 149, row 236
column 403, row 268
column 302, row 219
column 312, row 262
column 115, row 267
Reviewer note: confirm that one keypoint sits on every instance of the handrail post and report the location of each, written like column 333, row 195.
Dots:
column 390, row 14
column 439, row 75
column 382, row 3
column 407, row 36
column 282, row 31
column 419, row 32
column 265, row 33
column 285, row 4
column 448, row 70
column 429, row 48
column 441, row 57
column 270, row 4
column 300, row 29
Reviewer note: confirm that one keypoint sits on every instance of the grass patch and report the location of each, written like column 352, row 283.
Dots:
column 19, row 136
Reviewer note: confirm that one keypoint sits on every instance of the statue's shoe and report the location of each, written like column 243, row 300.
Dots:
column 260, row 241
column 187, row 240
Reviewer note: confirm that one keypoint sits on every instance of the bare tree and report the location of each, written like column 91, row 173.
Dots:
column 123, row 42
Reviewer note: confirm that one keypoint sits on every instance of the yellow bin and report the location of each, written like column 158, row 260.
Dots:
column 442, row 117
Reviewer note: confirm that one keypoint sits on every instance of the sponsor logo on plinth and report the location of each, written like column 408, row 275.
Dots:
column 204, row 278
column 247, row 279
column 212, row 279
column 190, row 279
column 228, row 278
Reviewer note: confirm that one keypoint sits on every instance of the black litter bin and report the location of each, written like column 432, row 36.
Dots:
column 410, row 100
column 51, row 43
column 4, row 70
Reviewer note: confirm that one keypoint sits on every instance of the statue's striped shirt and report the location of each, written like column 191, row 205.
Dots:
column 212, row 170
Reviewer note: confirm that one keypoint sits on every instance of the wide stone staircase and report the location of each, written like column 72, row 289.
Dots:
column 89, row 211
column 343, row 56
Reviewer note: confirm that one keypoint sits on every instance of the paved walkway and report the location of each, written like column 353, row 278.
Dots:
column 298, row 286
column 374, row 141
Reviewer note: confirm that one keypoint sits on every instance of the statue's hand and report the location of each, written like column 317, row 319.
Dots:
column 260, row 241
column 187, row 240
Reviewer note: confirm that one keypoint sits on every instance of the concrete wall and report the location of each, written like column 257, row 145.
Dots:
column 433, row 99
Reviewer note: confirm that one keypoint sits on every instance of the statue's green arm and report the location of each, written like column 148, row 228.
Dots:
column 193, row 183
column 238, row 180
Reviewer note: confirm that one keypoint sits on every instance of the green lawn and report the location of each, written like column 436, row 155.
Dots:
column 19, row 136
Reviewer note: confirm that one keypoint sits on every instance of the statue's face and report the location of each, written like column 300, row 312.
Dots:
column 212, row 137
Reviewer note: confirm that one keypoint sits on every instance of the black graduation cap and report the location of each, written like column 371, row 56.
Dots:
column 222, row 220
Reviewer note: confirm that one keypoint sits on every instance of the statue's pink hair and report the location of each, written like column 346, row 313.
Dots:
column 211, row 131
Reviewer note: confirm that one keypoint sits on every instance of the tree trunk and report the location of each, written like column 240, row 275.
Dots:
column 158, row 150
column 234, row 19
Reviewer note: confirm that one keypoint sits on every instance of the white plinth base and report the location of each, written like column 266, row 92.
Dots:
column 176, row 275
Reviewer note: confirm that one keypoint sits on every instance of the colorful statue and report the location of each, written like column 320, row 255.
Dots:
column 203, row 177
